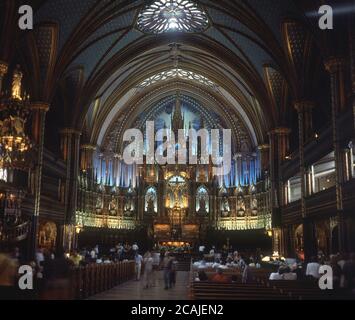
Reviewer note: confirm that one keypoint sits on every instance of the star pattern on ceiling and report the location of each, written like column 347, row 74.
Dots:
column 171, row 16
column 177, row 73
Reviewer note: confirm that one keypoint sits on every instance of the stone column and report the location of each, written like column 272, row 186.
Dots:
column 39, row 110
column 335, row 67
column 3, row 72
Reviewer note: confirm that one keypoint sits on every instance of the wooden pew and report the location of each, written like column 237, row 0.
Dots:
column 234, row 291
column 307, row 290
column 93, row 279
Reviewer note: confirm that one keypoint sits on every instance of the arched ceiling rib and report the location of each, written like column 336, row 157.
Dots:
column 101, row 37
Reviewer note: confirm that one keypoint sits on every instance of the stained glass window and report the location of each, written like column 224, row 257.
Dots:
column 172, row 15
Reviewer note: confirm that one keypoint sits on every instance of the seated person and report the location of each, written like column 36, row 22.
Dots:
column 202, row 276
column 216, row 264
column 313, row 268
column 284, row 273
column 202, row 264
column 289, row 275
column 277, row 275
column 219, row 277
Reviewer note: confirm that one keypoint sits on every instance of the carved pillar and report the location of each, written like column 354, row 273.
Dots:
column 335, row 67
column 352, row 70
column 161, row 191
column 304, row 110
column 264, row 151
column 141, row 189
column 279, row 145
column 3, row 72
column 39, row 110
column 86, row 156
column 70, row 146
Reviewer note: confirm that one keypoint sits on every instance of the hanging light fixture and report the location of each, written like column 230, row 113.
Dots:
column 14, row 112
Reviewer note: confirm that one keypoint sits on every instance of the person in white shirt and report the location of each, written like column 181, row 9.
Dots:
column 275, row 276
column 312, row 269
column 40, row 257
column 341, row 261
column 135, row 247
column 93, row 255
column 156, row 264
column 148, row 270
column 284, row 273
column 289, row 275
column 138, row 259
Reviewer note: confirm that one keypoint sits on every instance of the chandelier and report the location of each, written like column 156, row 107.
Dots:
column 14, row 112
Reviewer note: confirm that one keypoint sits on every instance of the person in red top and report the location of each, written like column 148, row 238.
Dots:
column 219, row 277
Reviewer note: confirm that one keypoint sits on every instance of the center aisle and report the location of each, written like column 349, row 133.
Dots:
column 133, row 290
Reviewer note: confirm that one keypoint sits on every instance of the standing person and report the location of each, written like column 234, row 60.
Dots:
column 156, row 264
column 40, row 256
column 135, row 247
column 173, row 272
column 138, row 259
column 201, row 251
column 167, row 262
column 148, row 270
column 57, row 279
column 75, row 258
column 312, row 269
column 8, row 272
column 349, row 272
column 97, row 250
column 93, row 256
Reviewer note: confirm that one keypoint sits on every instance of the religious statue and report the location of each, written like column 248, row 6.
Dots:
column 112, row 207
column 99, row 204
column 241, row 203
column 241, row 206
column 150, row 205
column 225, row 207
column 129, row 206
column 18, row 124
column 16, row 84
column 254, row 206
column 254, row 203
column 203, row 208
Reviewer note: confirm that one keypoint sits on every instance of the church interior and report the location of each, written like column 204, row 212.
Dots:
column 89, row 71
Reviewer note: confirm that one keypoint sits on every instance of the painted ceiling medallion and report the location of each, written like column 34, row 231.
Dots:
column 172, row 15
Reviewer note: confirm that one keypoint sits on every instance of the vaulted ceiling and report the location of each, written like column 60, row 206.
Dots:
column 87, row 57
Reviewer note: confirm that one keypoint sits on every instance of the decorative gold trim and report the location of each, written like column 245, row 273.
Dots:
column 3, row 68
column 334, row 64
column 264, row 147
column 88, row 147
column 70, row 131
column 40, row 106
column 304, row 105
column 280, row 131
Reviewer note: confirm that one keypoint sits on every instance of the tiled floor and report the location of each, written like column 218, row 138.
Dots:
column 133, row 290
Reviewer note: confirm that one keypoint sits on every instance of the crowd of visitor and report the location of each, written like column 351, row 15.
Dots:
column 219, row 262
column 51, row 270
